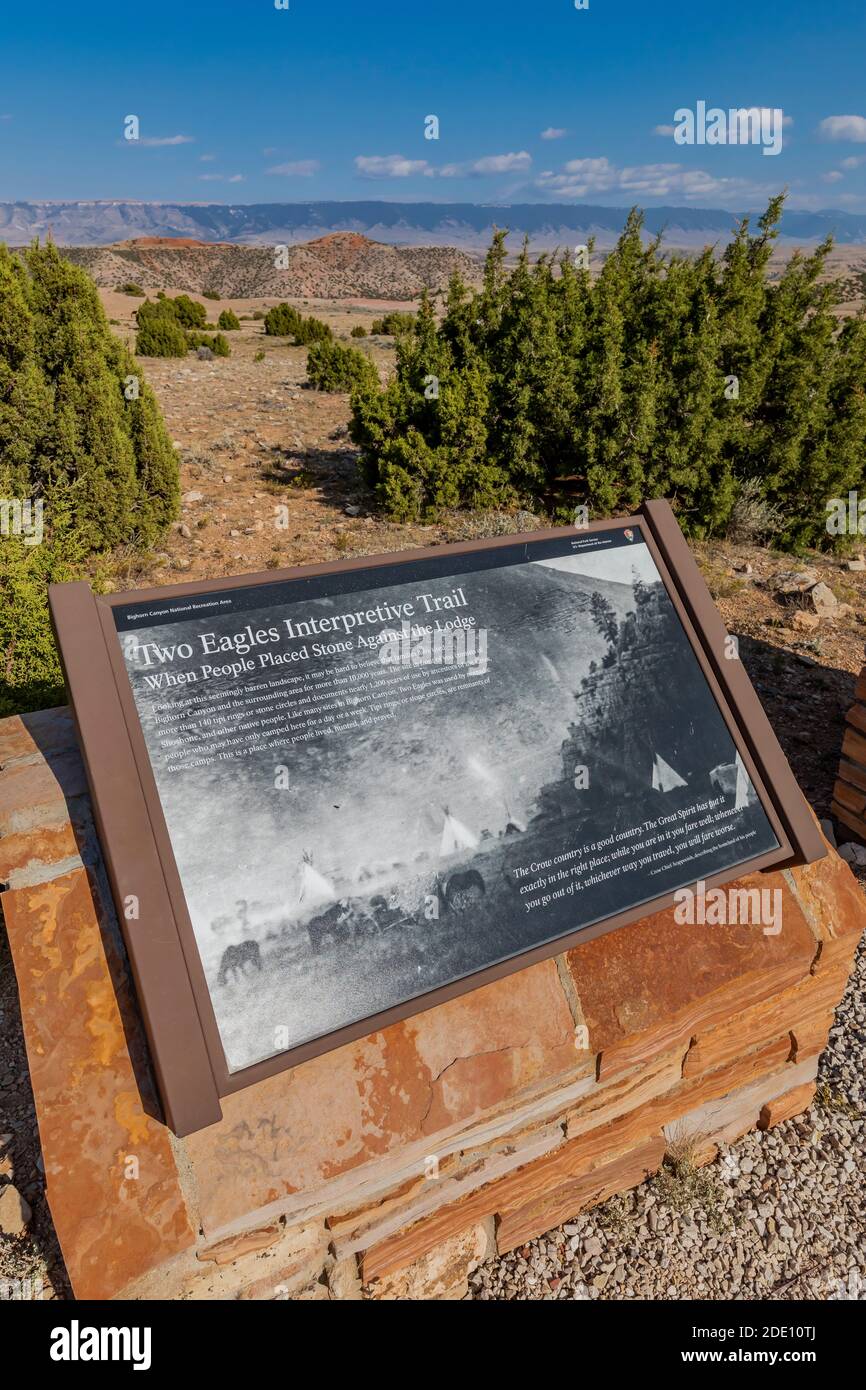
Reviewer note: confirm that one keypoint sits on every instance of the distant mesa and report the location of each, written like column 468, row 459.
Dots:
column 339, row 265
column 344, row 241
column 348, row 241
column 162, row 243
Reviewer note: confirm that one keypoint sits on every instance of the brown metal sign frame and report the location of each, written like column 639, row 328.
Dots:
column 188, row 1057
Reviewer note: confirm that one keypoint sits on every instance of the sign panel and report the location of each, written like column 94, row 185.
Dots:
column 375, row 785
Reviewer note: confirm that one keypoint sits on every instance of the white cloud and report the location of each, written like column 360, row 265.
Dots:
column 398, row 166
column 156, row 141
column 390, row 166
column 833, row 176
column 580, row 178
column 553, row 132
column 502, row 163
column 297, row 168
column 488, row 164
column 853, row 161
column 222, row 178
column 844, row 128
column 206, row 158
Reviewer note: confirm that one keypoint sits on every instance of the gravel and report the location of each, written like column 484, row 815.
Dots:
column 780, row 1214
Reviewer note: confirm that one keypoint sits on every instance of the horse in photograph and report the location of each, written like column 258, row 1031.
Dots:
column 237, row 958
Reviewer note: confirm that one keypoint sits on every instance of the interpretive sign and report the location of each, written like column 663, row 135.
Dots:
column 333, row 796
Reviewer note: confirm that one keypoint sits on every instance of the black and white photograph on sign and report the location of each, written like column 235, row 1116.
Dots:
column 372, row 792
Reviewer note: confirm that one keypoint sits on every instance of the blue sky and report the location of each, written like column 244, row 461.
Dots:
column 241, row 102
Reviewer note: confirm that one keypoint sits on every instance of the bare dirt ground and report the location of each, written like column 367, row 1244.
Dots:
column 254, row 439
column 269, row 476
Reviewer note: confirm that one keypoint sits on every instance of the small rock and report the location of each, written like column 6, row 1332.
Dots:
column 184, row 531
column 822, row 598
column 829, row 833
column 190, row 497
column 14, row 1211
column 790, row 582
column 234, row 534
column 853, row 853
column 351, row 510
column 204, row 354
column 227, row 477
column 805, row 622
column 857, row 565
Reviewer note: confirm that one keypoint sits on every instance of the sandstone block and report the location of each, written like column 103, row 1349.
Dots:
column 111, row 1177
column 344, row 1280
column 786, row 1106
column 831, row 897
column 443, row 1272
column 356, row 1105
column 799, row 1011
column 523, row 1223
column 652, row 984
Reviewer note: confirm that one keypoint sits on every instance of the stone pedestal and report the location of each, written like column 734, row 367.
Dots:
column 393, row 1166
column 849, row 793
